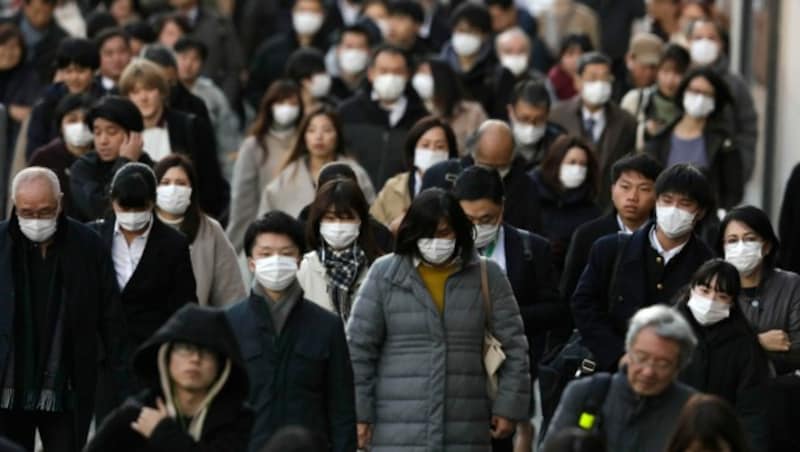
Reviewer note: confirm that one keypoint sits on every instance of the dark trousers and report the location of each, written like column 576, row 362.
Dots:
column 57, row 430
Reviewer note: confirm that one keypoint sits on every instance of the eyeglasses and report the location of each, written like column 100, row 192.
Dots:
column 186, row 350
column 644, row 360
column 45, row 213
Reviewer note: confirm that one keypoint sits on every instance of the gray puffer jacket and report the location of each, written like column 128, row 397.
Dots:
column 419, row 374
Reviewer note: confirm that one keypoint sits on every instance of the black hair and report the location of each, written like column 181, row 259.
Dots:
column 593, row 58
column 679, row 56
column 390, row 49
column 407, row 8
column 505, row 4
column 706, row 420
column 477, row 182
column 70, row 102
column 727, row 277
column 161, row 20
column 420, row 128
column 274, row 222
column 191, row 218
column 686, row 179
column 532, row 92
column 134, row 186
column 361, row 28
column 98, row 21
column 78, row 51
column 554, row 157
column 335, row 170
column 757, row 220
column 300, row 148
column 278, row 91
column 141, row 30
column 109, row 33
column 295, row 438
column 422, row 221
column 643, row 164
column 476, row 15
column 575, row 40
column 304, row 63
column 722, row 94
column 186, row 43
column 160, row 55
column 46, row 2
column 448, row 91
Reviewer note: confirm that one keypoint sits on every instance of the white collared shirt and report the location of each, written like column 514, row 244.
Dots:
column 499, row 252
column 625, row 229
column 396, row 111
column 156, row 142
column 107, row 83
column 667, row 255
column 126, row 257
column 417, row 183
column 599, row 121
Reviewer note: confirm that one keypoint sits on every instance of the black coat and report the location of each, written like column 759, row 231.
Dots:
column 578, row 253
column 44, row 54
column 301, row 376
column 94, row 320
column 56, row 156
column 789, row 253
column 539, row 149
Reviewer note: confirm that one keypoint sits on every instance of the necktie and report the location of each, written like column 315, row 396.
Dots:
column 588, row 125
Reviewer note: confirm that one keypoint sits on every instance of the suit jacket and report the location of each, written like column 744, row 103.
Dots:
column 578, row 253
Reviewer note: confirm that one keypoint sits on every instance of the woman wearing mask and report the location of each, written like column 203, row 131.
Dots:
column 701, row 135
column 566, row 184
column 319, row 142
column 429, row 142
column 423, row 304
column 439, row 87
column 213, row 257
column 261, row 154
column 563, row 74
column 728, row 360
column 20, row 86
column 342, row 247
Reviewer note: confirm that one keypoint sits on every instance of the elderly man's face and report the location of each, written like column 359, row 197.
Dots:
column 36, row 200
column 653, row 363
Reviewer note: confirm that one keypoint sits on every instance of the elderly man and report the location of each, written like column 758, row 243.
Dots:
column 58, row 300
column 513, row 49
column 528, row 108
column 637, row 408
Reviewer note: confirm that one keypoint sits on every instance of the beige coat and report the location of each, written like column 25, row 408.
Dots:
column 393, row 200
column 467, row 117
column 216, row 270
column 313, row 279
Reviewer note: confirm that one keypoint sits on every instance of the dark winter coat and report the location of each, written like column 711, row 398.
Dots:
column 578, row 252
column 789, row 252
column 57, row 157
column 476, row 81
column 225, row 60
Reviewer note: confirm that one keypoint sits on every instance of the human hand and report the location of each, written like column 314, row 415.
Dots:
column 775, row 341
column 364, row 434
column 149, row 418
column 501, row 427
column 131, row 147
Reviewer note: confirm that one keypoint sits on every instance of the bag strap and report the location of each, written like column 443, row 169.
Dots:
column 487, row 302
column 590, row 417
column 622, row 242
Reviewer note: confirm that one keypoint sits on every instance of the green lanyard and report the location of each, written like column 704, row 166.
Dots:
column 489, row 250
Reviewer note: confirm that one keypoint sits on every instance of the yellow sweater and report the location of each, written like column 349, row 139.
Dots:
column 434, row 279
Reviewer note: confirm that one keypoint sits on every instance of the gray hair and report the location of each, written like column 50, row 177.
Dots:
column 512, row 32
column 667, row 323
column 35, row 173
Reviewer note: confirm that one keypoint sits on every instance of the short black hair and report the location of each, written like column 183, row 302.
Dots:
column 275, row 222
column 161, row 55
column 361, row 28
column 474, row 14
column 575, row 40
column 726, row 274
column 676, row 54
column 98, row 21
column 70, row 102
column 407, row 8
column 390, row 49
column 335, row 170
column 593, row 57
column 141, row 30
column 109, row 33
column 757, row 220
column 78, row 51
column 686, row 179
column 722, row 94
column 477, row 182
column 419, row 128
column 186, row 43
column 532, row 92
column 643, row 164
column 422, row 220
column 134, row 186
column 505, row 4
column 304, row 63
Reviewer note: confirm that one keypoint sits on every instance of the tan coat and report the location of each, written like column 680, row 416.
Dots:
column 214, row 264
column 393, row 200
column 313, row 279
column 467, row 117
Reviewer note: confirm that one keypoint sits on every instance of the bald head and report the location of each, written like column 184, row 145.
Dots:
column 494, row 145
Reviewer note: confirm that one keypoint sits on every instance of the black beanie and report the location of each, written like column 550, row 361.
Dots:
column 118, row 110
column 442, row 175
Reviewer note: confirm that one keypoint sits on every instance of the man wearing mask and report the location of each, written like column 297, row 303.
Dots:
column 59, row 306
column 513, row 48
column 377, row 118
column 595, row 117
column 625, row 273
column 352, row 57
column 296, row 352
column 528, row 109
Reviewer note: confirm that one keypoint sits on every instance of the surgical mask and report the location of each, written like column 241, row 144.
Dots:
column 134, row 221
column 698, row 105
column 485, row 234
column 423, row 84
column 320, row 85
column 674, row 222
column 526, row 134
column 745, row 256
column 436, row 251
column 707, row 311
column 173, row 199
column 426, row 158
column 77, row 134
column 389, row 87
column 339, row 235
column 466, row 44
column 38, row 230
column 596, row 93
column 515, row 63
column 572, row 175
column 704, row 51
column 353, row 61
column 276, row 272
column 307, row 23
column 285, row 114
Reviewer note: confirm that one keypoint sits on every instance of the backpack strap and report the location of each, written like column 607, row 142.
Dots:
column 487, row 303
column 622, row 243
column 591, row 415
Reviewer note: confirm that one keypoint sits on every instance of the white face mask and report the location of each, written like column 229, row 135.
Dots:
column 134, row 221
column 389, row 86
column 704, row 51
column 572, row 175
column 596, row 93
column 674, row 222
column 285, row 114
column 38, row 230
column 485, row 234
column 436, row 251
column 515, row 63
column 339, row 235
column 707, row 311
column 698, row 105
column 174, row 199
column 320, row 85
column 423, row 84
column 745, row 256
column 77, row 134
column 307, row 23
column 353, row 61
column 466, row 44
column 526, row 134
column 426, row 158
column 276, row 272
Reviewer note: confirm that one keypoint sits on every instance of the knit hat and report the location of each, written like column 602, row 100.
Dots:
column 119, row 110
column 442, row 175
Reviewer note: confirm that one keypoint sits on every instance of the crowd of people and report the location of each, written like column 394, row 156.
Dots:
column 389, row 225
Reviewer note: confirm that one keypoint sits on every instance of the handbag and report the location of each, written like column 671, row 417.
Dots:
column 493, row 355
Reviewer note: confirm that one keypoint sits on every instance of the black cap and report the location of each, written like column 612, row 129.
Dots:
column 442, row 175
column 77, row 51
column 118, row 110
column 160, row 55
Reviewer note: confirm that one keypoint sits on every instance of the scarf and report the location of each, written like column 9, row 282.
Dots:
column 342, row 268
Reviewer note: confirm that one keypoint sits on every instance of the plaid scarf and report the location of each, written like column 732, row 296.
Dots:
column 342, row 268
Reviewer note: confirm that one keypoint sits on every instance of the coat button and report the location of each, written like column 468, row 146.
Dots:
column 659, row 286
column 659, row 259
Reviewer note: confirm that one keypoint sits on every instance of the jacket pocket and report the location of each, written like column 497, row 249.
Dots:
column 308, row 365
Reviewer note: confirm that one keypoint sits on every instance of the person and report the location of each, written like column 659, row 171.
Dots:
column 513, row 48
column 643, row 399
column 526, row 260
column 594, row 116
column 564, row 74
column 662, row 20
column 506, row 15
column 195, row 390
column 377, row 119
column 528, row 110
column 561, row 18
column 306, row 67
column 634, row 197
column 566, row 184
column 423, row 303
column 114, row 48
column 293, row 439
column 437, row 84
column 116, row 125
column 641, row 61
column 41, row 34
column 319, row 142
column 295, row 350
column 60, row 307
column 213, row 257
column 770, row 298
column 352, row 57
column 701, row 136
column 406, row 19
column 142, row 33
column 262, row 153
column 20, row 86
column 124, row 11
column 789, row 256
column 170, row 26
column 708, row 422
column 429, row 142
column 728, row 361
column 625, row 273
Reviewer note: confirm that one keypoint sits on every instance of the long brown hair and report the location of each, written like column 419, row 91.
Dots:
column 707, row 419
column 551, row 165
column 300, row 148
column 278, row 91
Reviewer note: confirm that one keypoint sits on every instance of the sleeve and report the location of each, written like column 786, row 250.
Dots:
column 793, row 356
column 227, row 286
column 566, row 414
column 378, row 209
column 341, row 397
column 789, row 222
column 214, row 189
column 751, row 394
column 37, row 128
column 731, row 175
column 365, row 183
column 265, row 205
column 630, row 102
column 245, row 192
column 168, row 436
column 90, row 195
column 116, row 430
column 573, row 264
column 184, row 289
